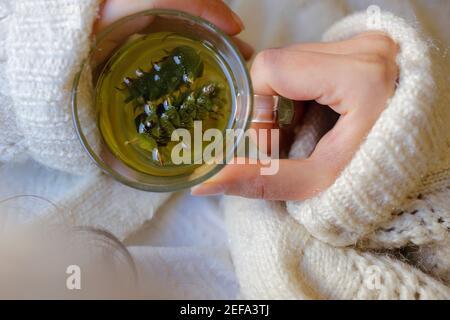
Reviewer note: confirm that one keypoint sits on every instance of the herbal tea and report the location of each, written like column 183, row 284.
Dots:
column 154, row 85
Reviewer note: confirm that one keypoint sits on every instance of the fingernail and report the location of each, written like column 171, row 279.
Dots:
column 238, row 20
column 208, row 189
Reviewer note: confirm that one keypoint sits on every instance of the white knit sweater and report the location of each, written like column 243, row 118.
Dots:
column 381, row 231
column 45, row 44
column 42, row 44
column 390, row 202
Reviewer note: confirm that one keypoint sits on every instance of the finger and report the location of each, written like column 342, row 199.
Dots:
column 370, row 42
column 295, row 179
column 244, row 48
column 300, row 76
column 286, row 133
column 328, row 79
column 214, row 11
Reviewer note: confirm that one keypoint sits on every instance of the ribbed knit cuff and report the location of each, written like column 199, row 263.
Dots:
column 395, row 155
column 46, row 43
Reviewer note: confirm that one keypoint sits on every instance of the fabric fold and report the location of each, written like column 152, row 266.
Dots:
column 45, row 45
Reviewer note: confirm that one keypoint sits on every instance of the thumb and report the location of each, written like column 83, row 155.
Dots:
column 293, row 180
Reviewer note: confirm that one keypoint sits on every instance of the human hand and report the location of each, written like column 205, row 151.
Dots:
column 355, row 78
column 215, row 11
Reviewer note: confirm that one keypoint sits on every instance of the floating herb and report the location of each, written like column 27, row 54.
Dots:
column 165, row 99
column 181, row 67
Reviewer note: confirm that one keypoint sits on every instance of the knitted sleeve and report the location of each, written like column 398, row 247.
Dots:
column 276, row 258
column 11, row 141
column 395, row 191
column 44, row 44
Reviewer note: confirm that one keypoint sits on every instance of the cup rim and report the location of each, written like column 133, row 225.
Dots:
column 76, row 121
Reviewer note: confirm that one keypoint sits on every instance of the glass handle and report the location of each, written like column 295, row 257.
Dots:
column 273, row 110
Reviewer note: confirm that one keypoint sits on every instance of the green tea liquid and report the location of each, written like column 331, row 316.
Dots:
column 116, row 118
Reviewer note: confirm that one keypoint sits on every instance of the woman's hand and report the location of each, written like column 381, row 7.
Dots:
column 355, row 78
column 215, row 11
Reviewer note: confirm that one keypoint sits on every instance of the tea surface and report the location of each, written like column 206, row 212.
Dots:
column 153, row 85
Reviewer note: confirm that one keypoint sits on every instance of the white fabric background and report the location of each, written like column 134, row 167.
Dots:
column 183, row 251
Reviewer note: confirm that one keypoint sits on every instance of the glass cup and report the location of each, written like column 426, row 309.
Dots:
column 248, row 108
